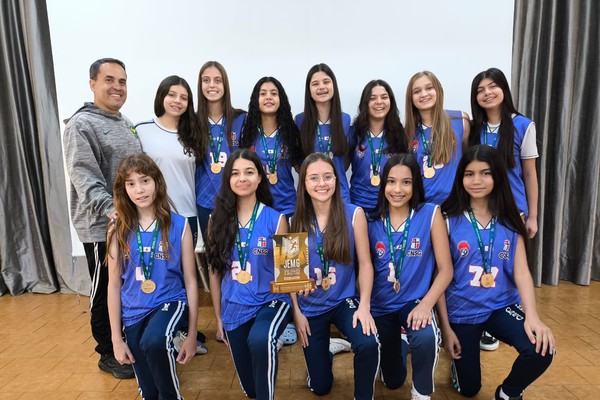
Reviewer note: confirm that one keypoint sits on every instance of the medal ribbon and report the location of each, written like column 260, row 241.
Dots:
column 328, row 149
column 271, row 163
column 216, row 151
column 485, row 135
column 425, row 146
column 319, row 240
column 375, row 157
column 398, row 260
column 243, row 250
column 147, row 269
column 486, row 257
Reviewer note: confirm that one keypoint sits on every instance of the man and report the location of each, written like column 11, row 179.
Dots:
column 96, row 138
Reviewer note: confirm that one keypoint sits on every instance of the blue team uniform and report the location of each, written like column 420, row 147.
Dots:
column 150, row 320
column 337, row 305
column 497, row 310
column 338, row 161
column 362, row 193
column 515, row 175
column 284, row 191
column 439, row 186
column 252, row 316
column 390, row 310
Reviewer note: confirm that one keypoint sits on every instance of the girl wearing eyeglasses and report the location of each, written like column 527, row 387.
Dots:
column 337, row 241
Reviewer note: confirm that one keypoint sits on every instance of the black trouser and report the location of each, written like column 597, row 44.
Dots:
column 95, row 254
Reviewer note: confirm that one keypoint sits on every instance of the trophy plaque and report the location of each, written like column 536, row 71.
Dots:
column 291, row 263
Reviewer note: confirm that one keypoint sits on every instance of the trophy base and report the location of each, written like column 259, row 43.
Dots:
column 292, row 287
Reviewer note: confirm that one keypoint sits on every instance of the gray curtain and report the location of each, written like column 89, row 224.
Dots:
column 35, row 244
column 555, row 77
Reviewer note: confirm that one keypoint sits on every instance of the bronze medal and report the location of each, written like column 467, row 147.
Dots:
column 215, row 168
column 273, row 178
column 148, row 286
column 429, row 172
column 375, row 180
column 326, row 283
column 397, row 286
column 487, row 280
column 243, row 277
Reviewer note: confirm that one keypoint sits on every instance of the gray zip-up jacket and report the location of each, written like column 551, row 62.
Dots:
column 94, row 142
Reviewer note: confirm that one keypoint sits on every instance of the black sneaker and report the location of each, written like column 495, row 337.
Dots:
column 110, row 364
column 497, row 395
column 488, row 342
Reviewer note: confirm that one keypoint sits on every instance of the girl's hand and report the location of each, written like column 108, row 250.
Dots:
column 540, row 335
column 531, row 226
column 302, row 327
column 366, row 320
column 305, row 292
column 419, row 317
column 188, row 349
column 122, row 352
column 451, row 343
column 221, row 332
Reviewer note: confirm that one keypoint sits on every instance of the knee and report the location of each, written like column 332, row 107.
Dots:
column 320, row 387
column 393, row 382
column 367, row 345
column 153, row 343
column 422, row 337
column 470, row 391
column 260, row 343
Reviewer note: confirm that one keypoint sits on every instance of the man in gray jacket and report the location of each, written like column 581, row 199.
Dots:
column 96, row 138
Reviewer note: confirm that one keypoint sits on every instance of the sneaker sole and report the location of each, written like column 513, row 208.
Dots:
column 489, row 347
column 113, row 373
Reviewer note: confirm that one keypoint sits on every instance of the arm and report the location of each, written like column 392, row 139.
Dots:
column 421, row 315
column 531, row 191
column 466, row 131
column 449, row 338
column 188, row 262
column 215, row 295
column 122, row 352
column 538, row 333
column 365, row 274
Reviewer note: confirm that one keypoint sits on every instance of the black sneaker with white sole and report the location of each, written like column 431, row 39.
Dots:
column 497, row 396
column 488, row 342
column 109, row 363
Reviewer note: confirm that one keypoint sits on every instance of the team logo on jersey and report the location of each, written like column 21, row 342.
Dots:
column 262, row 241
column 234, row 139
column 415, row 243
column 415, row 146
column 160, row 254
column 503, row 255
column 360, row 151
column 413, row 249
column 380, row 249
column 506, row 246
column 463, row 248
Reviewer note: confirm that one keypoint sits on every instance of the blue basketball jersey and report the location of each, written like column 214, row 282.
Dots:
column 208, row 184
column 343, row 277
column 468, row 301
column 362, row 193
column 338, row 161
column 438, row 187
column 284, row 191
column 418, row 266
column 240, row 302
column 515, row 175
column 167, row 273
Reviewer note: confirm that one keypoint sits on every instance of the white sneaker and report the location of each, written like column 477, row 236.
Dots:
column 418, row 396
column 279, row 344
column 337, row 345
column 488, row 342
column 180, row 337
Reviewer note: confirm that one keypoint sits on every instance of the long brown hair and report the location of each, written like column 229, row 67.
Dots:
column 443, row 138
column 336, row 243
column 128, row 221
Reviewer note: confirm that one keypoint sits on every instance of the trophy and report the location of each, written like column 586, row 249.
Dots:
column 291, row 263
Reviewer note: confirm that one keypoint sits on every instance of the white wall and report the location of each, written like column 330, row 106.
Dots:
column 360, row 40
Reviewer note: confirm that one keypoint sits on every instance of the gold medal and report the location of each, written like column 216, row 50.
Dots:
column 215, row 168
column 148, row 286
column 429, row 172
column 273, row 178
column 326, row 283
column 397, row 286
column 375, row 180
column 487, row 280
column 243, row 277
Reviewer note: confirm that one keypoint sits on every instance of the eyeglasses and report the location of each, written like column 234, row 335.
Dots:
column 315, row 179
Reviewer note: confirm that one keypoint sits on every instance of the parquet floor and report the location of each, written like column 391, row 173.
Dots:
column 47, row 352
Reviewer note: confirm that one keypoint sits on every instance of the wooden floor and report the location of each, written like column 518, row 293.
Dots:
column 47, row 352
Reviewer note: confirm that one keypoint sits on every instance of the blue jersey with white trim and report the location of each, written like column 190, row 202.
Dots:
column 438, row 187
column 167, row 273
column 343, row 277
column 338, row 161
column 418, row 266
column 468, row 302
column 208, row 184
column 515, row 175
column 284, row 191
column 240, row 302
